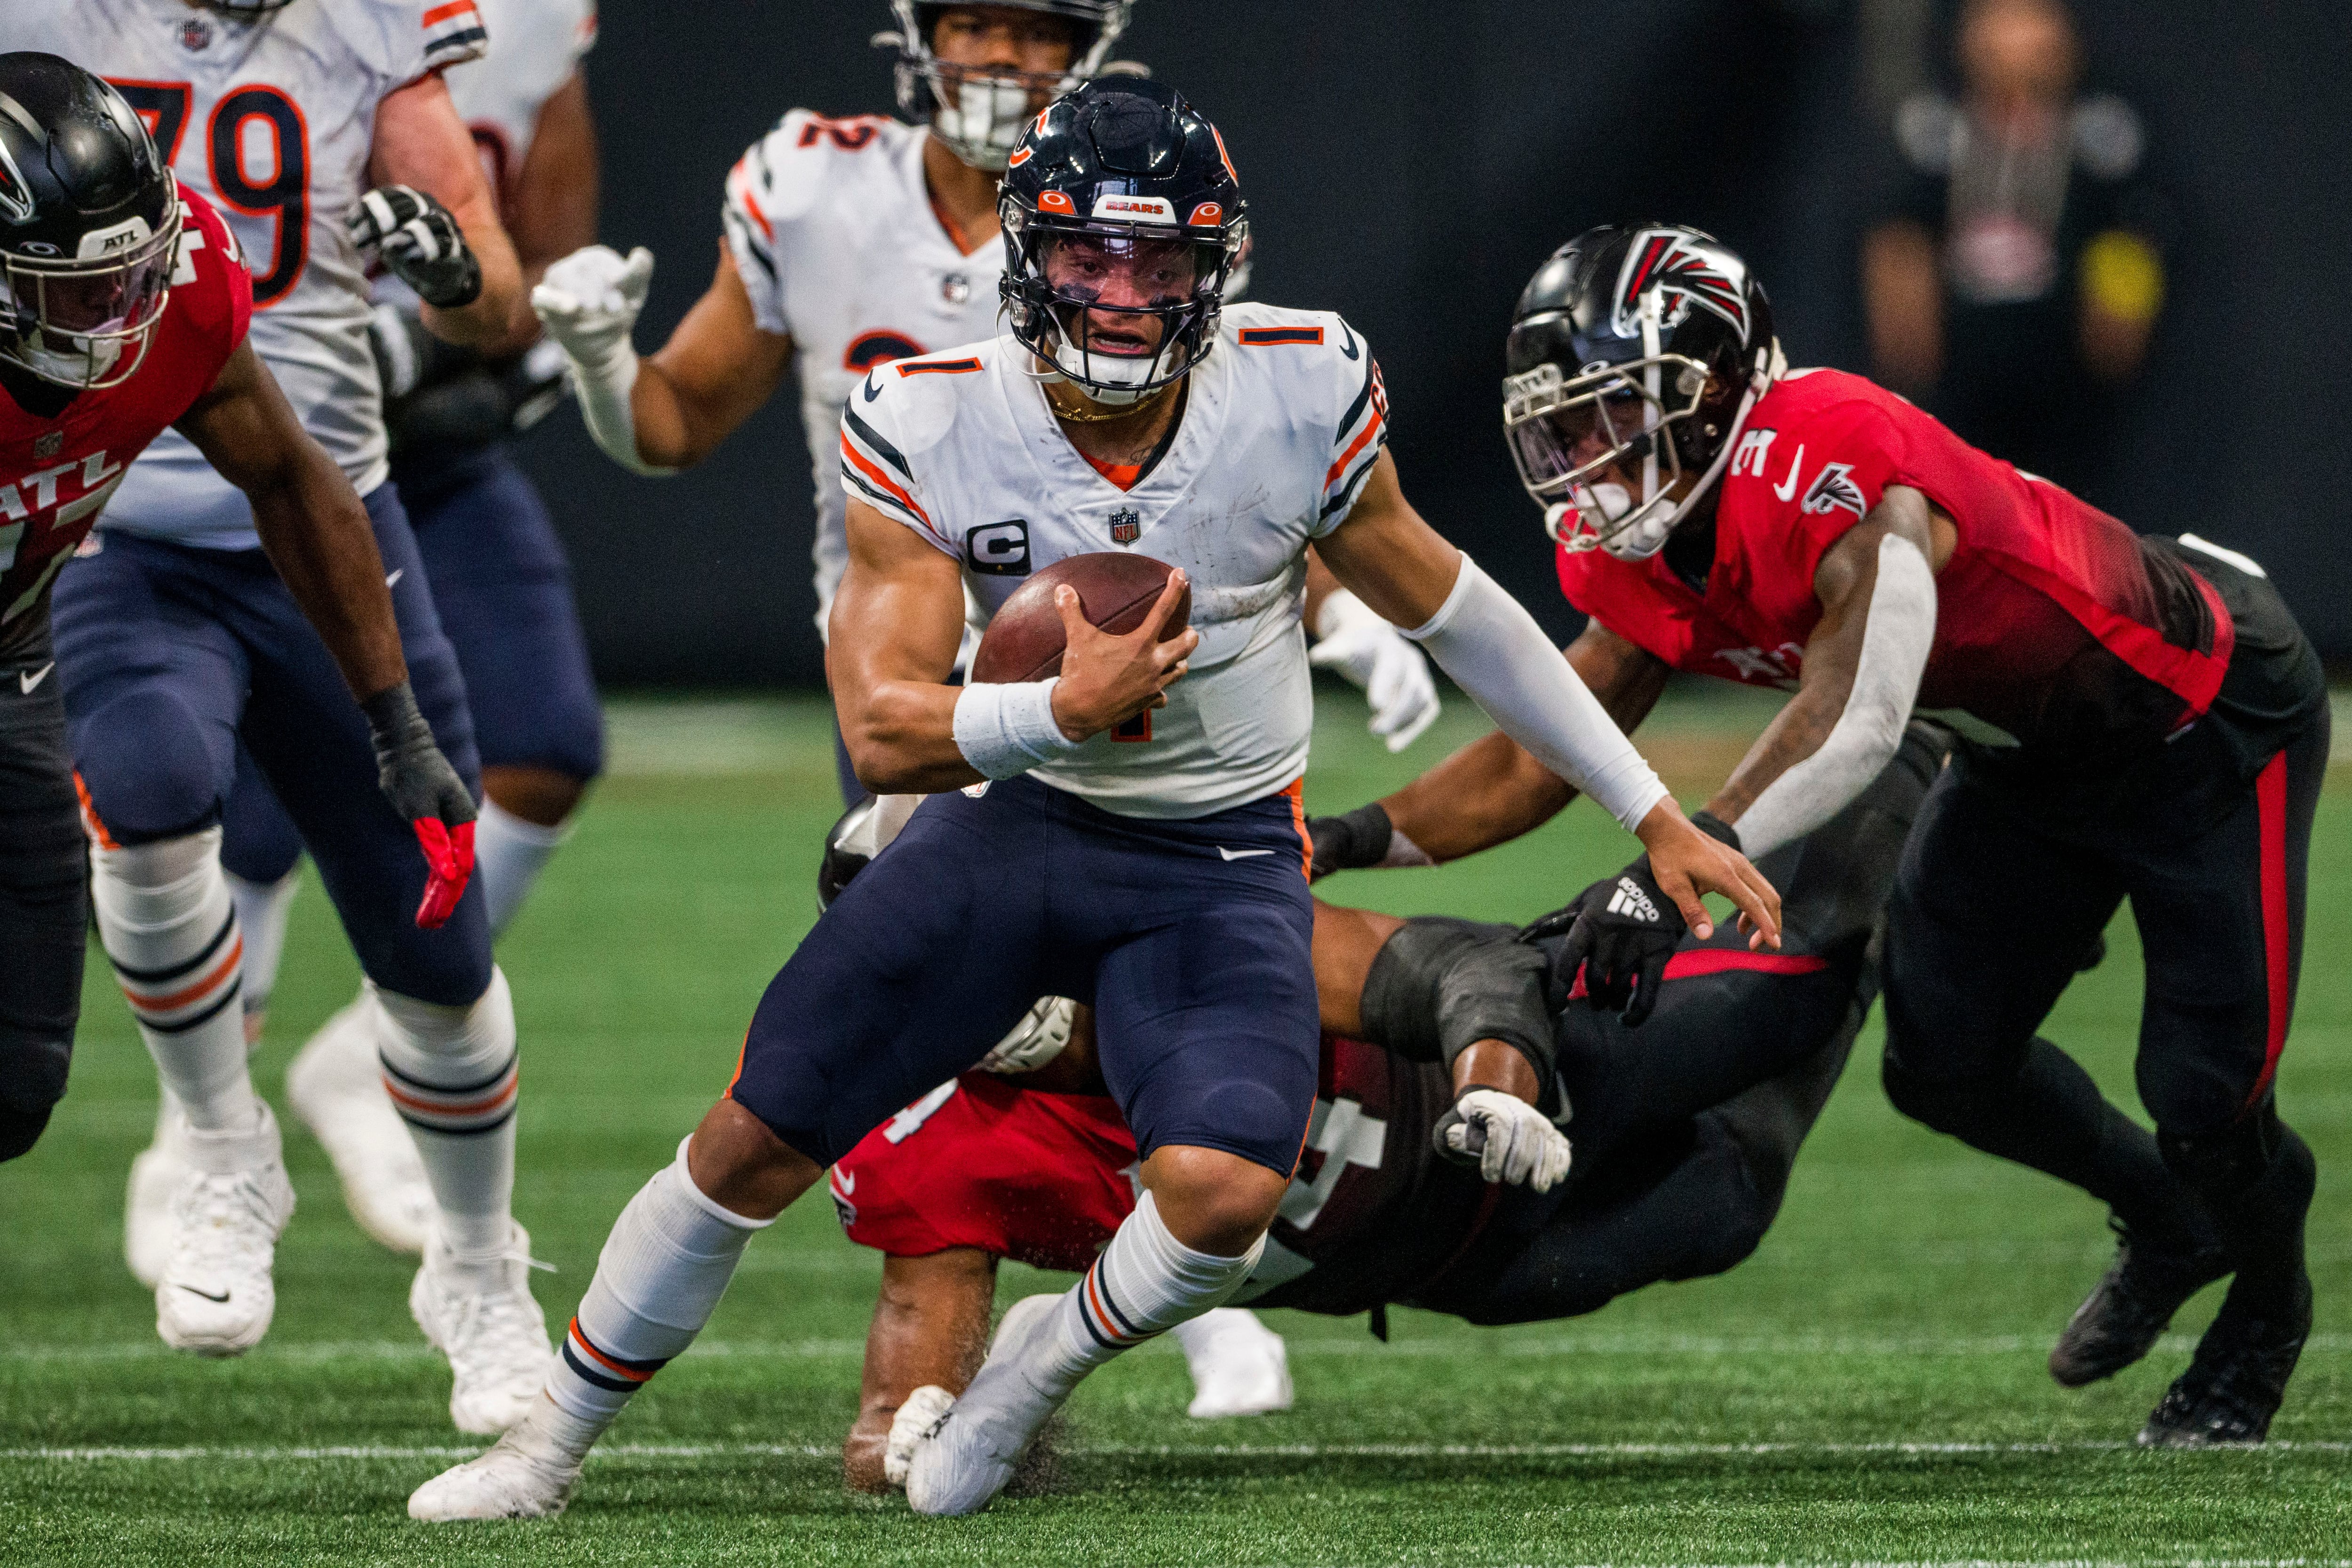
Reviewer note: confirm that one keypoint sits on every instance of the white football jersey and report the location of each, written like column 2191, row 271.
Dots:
column 1283, row 421
column 534, row 47
column 833, row 233
column 272, row 120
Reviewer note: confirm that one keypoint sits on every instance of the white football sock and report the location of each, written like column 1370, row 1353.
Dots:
column 657, row 1281
column 452, row 1074
column 170, row 929
column 262, row 910
column 1145, row 1283
column 508, row 855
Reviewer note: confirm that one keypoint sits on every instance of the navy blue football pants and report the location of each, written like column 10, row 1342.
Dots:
column 503, row 588
column 1191, row 939
column 171, row 657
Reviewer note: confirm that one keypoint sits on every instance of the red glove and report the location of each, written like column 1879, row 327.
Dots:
column 429, row 796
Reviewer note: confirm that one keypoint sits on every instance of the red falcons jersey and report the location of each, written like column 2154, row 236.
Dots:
column 1045, row 1178
column 57, row 472
column 2055, row 623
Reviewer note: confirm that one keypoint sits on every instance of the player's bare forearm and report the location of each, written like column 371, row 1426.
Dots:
column 714, row 374
column 930, row 1326
column 555, row 197
column 420, row 142
column 890, row 646
column 1491, row 792
column 1843, row 582
column 311, row 520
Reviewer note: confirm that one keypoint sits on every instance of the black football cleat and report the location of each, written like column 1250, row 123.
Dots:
column 2121, row 1319
column 2234, row 1385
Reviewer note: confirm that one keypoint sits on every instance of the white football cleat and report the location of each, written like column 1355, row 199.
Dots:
column 214, row 1296
column 526, row 1474
column 1240, row 1366
column 335, row 1083
column 480, row 1315
column 972, row 1452
column 158, row 1172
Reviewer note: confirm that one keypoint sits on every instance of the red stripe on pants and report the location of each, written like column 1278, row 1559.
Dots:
column 2270, row 807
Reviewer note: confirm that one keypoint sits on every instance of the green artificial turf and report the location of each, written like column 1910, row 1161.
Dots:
column 1868, row 1387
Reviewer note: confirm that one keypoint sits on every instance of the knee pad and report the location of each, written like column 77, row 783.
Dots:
column 147, row 764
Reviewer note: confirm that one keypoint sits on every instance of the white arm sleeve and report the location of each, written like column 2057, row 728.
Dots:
column 1495, row 650
column 1894, row 647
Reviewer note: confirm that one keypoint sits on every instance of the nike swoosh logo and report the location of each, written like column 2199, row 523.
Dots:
column 1353, row 352
column 394, row 576
column 1787, row 488
column 28, row 680
column 1241, row 854
column 207, row 1295
column 872, row 389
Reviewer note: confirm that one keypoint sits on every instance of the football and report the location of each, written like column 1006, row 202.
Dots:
column 1116, row 591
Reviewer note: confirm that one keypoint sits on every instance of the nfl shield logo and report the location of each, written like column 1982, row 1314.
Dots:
column 1126, row 528
column 196, row 34
column 49, row 445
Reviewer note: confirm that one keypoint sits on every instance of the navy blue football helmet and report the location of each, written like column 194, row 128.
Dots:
column 1120, row 210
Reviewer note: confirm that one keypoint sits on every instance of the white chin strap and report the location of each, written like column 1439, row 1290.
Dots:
column 1111, row 380
column 985, row 121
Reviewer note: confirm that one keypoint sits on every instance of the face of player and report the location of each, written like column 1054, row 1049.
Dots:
column 1005, row 41
column 1123, row 290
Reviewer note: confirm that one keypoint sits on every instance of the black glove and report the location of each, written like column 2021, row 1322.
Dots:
column 429, row 796
column 1621, row 930
column 1351, row 841
column 419, row 243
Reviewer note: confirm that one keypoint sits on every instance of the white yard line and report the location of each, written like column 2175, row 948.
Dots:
column 105, row 1454
column 1896, row 1347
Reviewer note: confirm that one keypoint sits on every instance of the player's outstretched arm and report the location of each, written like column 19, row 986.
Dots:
column 317, row 533
column 1491, row 792
column 657, row 416
column 931, row 1328
column 1495, row 650
column 422, row 146
column 1862, row 671
column 896, row 622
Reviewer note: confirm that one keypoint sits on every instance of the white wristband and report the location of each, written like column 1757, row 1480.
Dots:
column 1004, row 729
column 604, row 390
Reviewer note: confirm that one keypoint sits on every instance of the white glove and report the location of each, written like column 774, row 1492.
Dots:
column 1041, row 1036
column 1392, row 672
column 589, row 303
column 917, row 1419
column 1508, row 1139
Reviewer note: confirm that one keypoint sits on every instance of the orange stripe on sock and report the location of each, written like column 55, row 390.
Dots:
column 181, row 998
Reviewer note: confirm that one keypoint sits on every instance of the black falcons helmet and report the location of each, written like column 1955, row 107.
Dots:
column 1635, row 353
column 1119, row 192
column 979, row 114
column 90, row 225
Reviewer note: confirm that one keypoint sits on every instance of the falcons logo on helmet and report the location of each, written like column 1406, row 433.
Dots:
column 1686, row 273
column 15, row 196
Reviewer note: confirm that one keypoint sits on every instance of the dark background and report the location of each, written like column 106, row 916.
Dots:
column 1409, row 162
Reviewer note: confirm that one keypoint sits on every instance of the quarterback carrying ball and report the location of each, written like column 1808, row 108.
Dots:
column 1127, row 833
